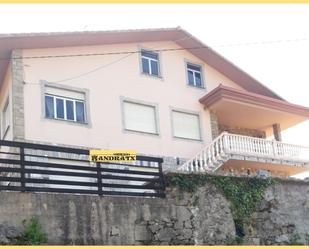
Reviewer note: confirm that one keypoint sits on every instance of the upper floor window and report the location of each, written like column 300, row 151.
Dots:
column 150, row 62
column 5, row 117
column 65, row 104
column 186, row 125
column 140, row 117
column 194, row 74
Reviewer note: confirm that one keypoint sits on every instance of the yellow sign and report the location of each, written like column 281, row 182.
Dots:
column 112, row 155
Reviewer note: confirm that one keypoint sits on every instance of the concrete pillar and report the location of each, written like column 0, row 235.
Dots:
column 18, row 95
column 277, row 132
column 214, row 125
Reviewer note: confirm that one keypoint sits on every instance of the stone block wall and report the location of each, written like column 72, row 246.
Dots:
column 242, row 131
column 282, row 217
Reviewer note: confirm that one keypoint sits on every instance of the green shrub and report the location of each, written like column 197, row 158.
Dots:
column 242, row 192
column 33, row 234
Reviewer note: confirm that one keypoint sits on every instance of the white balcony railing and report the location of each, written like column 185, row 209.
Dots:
column 227, row 145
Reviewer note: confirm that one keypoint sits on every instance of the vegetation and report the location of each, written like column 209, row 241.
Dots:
column 33, row 234
column 243, row 193
column 295, row 240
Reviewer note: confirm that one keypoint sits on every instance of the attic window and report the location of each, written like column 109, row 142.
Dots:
column 194, row 74
column 150, row 63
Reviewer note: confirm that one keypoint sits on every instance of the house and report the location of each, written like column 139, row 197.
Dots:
column 160, row 92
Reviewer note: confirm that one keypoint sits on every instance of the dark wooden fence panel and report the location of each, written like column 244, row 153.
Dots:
column 45, row 168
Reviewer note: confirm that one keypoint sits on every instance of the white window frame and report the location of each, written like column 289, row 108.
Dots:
column 55, row 97
column 149, row 62
column 172, row 109
column 194, row 72
column 124, row 100
column 45, row 85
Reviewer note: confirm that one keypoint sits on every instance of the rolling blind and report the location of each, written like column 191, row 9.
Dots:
column 64, row 93
column 140, row 117
column 186, row 125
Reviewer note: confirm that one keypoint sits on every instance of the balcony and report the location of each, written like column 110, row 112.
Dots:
column 249, row 154
column 239, row 108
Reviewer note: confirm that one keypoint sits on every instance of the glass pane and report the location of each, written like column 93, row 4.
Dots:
column 80, row 112
column 190, row 77
column 60, row 108
column 150, row 54
column 196, row 68
column 49, row 107
column 154, row 68
column 145, row 65
column 70, row 110
column 198, row 80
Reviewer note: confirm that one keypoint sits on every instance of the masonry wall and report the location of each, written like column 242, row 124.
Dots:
column 205, row 218
column 242, row 131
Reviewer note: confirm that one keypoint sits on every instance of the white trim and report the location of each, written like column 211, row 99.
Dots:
column 64, row 99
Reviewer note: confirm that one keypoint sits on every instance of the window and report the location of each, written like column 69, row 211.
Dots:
column 5, row 117
column 140, row 117
column 150, row 62
column 65, row 105
column 186, row 125
column 194, row 73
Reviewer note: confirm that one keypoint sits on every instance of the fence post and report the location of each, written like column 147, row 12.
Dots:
column 100, row 190
column 162, row 182
column 22, row 169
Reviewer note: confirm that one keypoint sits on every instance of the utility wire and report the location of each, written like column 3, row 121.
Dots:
column 129, row 53
column 111, row 63
column 115, row 61
column 156, row 50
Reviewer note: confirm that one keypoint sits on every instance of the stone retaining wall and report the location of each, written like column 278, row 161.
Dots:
column 203, row 219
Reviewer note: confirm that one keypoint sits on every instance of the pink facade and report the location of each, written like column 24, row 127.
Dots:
column 41, row 64
column 106, row 87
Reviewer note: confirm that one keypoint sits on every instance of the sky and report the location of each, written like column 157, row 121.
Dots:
column 270, row 42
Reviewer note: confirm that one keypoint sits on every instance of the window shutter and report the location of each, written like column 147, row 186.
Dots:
column 186, row 125
column 139, row 117
column 64, row 93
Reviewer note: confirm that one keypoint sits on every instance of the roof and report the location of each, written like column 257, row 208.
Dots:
column 233, row 94
column 239, row 108
column 9, row 42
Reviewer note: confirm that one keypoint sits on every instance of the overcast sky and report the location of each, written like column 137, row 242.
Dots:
column 270, row 42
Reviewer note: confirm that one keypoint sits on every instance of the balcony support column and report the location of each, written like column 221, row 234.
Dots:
column 277, row 132
column 214, row 124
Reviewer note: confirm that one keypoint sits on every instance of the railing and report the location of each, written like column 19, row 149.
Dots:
column 269, row 149
column 226, row 145
column 44, row 168
column 209, row 158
